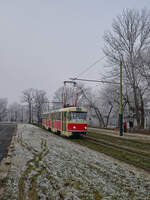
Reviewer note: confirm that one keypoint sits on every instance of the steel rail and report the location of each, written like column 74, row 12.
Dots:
column 129, row 150
column 101, row 132
column 111, row 146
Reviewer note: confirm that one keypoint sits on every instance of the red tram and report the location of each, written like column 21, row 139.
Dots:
column 69, row 121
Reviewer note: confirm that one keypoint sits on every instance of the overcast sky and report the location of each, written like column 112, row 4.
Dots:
column 44, row 42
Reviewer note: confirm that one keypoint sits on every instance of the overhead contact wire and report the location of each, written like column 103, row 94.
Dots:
column 90, row 66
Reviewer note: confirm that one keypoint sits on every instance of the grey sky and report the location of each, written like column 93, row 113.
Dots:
column 44, row 42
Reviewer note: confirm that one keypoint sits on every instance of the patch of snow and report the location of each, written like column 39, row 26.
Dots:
column 70, row 171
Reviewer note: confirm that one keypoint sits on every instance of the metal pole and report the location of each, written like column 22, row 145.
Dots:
column 22, row 114
column 48, row 106
column 121, row 110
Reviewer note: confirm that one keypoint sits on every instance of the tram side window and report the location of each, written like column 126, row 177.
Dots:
column 43, row 117
column 59, row 116
column 64, row 116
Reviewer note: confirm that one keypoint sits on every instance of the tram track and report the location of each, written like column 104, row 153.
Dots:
column 143, row 154
column 130, row 156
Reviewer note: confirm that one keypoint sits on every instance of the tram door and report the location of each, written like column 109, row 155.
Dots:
column 52, row 120
column 64, row 121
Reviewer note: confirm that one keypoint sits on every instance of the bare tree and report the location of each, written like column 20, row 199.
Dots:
column 145, row 66
column 92, row 103
column 15, row 112
column 57, row 98
column 128, row 41
column 39, row 101
column 3, row 109
column 28, row 97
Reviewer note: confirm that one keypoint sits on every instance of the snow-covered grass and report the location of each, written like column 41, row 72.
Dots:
column 46, row 166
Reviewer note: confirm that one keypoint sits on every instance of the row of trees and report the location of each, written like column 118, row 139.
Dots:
column 129, row 42
column 36, row 100
column 33, row 104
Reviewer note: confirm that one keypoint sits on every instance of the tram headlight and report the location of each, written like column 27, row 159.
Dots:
column 85, row 127
column 74, row 127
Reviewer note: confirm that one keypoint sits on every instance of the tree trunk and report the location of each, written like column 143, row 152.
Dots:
column 136, row 102
column 142, row 112
column 30, row 113
column 99, row 116
column 107, row 120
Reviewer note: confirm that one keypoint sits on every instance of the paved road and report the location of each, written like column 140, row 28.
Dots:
column 6, row 133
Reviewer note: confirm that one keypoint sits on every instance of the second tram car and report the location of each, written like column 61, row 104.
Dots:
column 68, row 121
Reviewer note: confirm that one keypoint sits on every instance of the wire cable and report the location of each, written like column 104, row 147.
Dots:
column 90, row 66
column 96, row 81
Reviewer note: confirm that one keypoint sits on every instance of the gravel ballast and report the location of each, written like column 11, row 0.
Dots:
column 45, row 166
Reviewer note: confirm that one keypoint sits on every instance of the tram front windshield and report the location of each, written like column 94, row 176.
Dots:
column 77, row 116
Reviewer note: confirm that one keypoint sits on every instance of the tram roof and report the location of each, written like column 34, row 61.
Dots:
column 79, row 109
column 73, row 109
